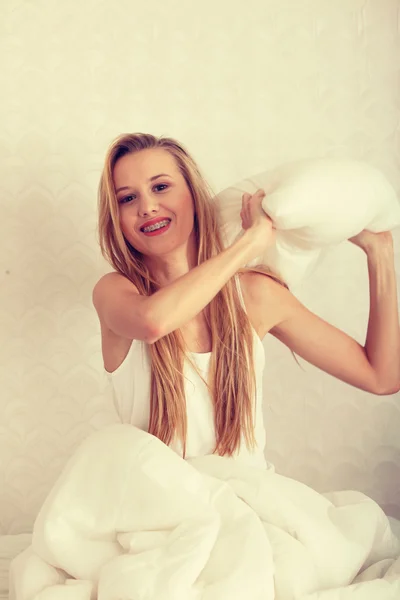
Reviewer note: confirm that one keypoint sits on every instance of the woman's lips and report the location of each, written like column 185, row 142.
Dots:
column 154, row 222
column 157, row 231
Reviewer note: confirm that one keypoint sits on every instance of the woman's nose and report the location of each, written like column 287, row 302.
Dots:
column 147, row 204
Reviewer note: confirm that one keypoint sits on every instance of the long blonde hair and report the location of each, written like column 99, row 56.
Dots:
column 231, row 377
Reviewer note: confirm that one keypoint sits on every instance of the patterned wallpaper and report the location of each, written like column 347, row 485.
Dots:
column 245, row 86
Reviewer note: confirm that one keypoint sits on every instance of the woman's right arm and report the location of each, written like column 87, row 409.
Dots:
column 148, row 318
column 134, row 316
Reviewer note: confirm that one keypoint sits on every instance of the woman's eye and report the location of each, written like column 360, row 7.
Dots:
column 126, row 199
column 129, row 198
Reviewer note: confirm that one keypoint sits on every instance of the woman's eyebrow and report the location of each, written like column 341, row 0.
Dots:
column 151, row 179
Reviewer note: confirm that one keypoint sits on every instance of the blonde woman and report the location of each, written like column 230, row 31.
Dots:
column 182, row 320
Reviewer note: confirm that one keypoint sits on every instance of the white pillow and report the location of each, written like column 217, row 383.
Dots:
column 314, row 203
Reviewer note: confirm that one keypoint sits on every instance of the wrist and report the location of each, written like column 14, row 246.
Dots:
column 381, row 246
column 379, row 256
column 244, row 246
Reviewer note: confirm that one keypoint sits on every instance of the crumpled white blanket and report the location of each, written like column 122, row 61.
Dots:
column 129, row 519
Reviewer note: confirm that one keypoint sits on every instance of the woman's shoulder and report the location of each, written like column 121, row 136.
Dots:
column 110, row 278
column 111, row 284
column 257, row 284
column 265, row 299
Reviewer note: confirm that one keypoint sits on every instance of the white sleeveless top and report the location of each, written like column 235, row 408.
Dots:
column 131, row 391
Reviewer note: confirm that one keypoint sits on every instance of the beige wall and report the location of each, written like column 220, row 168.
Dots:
column 245, row 86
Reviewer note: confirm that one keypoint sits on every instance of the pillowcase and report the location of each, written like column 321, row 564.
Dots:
column 314, row 204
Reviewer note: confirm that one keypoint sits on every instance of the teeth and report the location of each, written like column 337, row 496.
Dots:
column 156, row 226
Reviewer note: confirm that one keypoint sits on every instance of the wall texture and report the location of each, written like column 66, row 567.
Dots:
column 245, row 86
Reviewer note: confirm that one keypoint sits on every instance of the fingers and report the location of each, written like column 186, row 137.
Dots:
column 251, row 209
column 246, row 197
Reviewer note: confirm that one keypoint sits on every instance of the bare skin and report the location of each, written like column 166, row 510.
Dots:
column 170, row 257
column 195, row 332
column 167, row 256
column 125, row 315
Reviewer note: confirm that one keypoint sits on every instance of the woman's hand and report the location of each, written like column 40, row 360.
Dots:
column 257, row 224
column 366, row 240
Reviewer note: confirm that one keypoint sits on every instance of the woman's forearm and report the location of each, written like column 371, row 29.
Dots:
column 383, row 336
column 175, row 304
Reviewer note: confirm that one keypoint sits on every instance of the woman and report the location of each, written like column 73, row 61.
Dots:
column 182, row 320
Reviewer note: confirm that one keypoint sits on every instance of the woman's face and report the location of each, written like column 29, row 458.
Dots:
column 149, row 185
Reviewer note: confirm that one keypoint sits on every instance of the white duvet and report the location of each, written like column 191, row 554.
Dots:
column 129, row 519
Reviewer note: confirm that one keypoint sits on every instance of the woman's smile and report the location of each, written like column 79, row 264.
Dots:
column 158, row 229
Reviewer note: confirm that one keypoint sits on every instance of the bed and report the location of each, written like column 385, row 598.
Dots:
column 12, row 545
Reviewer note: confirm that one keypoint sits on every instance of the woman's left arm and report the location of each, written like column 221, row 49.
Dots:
column 382, row 344
column 374, row 367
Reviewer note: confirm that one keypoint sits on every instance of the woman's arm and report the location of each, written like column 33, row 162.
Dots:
column 374, row 367
column 382, row 344
column 134, row 316
column 177, row 303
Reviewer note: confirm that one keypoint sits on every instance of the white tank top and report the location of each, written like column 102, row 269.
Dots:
column 131, row 391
